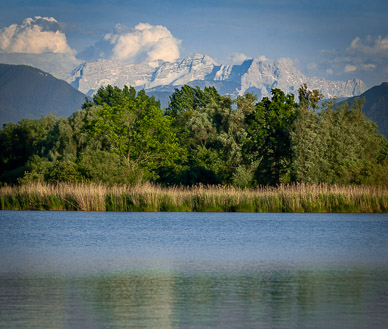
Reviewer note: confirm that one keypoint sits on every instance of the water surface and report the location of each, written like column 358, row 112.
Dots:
column 193, row 270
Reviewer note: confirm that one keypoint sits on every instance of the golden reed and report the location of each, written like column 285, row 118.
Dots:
column 149, row 197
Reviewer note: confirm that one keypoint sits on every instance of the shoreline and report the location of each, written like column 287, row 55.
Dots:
column 295, row 198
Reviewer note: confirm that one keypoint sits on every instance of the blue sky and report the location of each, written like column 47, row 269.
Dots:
column 335, row 40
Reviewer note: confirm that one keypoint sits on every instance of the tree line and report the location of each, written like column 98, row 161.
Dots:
column 125, row 137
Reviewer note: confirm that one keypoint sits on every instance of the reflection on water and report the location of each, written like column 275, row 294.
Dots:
column 193, row 270
column 278, row 298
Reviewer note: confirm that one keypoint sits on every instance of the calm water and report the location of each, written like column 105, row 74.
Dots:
column 193, row 270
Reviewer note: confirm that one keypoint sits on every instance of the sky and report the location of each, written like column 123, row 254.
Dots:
column 335, row 40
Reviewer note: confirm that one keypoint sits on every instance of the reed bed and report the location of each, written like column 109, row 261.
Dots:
column 148, row 197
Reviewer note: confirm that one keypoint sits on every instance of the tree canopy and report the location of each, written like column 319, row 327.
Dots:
column 124, row 137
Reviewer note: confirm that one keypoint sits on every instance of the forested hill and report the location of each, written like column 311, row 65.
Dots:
column 376, row 106
column 26, row 92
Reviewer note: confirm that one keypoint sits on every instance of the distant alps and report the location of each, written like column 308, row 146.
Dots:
column 255, row 75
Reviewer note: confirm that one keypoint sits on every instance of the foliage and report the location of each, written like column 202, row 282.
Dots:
column 269, row 127
column 337, row 146
column 133, row 127
column 123, row 137
column 19, row 142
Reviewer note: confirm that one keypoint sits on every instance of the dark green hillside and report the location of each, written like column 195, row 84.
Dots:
column 376, row 106
column 26, row 92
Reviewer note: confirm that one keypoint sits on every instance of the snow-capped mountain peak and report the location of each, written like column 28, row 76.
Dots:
column 255, row 75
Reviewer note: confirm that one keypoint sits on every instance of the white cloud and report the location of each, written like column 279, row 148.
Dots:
column 364, row 58
column 262, row 58
column 368, row 67
column 238, row 58
column 350, row 68
column 369, row 47
column 34, row 36
column 366, row 55
column 143, row 42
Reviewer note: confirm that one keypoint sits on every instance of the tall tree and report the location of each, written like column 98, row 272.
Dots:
column 269, row 128
column 307, row 146
column 134, row 128
column 197, row 117
column 18, row 142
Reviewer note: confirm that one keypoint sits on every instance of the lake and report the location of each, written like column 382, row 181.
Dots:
column 193, row 270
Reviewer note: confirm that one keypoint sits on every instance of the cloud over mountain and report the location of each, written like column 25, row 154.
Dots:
column 237, row 58
column 365, row 57
column 370, row 47
column 134, row 45
column 368, row 54
column 35, row 36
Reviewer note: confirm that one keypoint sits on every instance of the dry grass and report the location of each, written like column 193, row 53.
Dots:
column 148, row 197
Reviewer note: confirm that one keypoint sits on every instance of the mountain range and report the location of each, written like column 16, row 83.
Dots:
column 27, row 92
column 255, row 75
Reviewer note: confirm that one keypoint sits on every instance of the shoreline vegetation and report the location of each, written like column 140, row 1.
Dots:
column 309, row 198
column 124, row 137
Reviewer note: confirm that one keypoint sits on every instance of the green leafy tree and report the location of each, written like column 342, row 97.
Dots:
column 133, row 127
column 269, row 127
column 202, row 119
column 123, row 136
column 307, row 146
column 18, row 142
column 337, row 145
column 355, row 152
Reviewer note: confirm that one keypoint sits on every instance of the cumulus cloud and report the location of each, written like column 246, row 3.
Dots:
column 364, row 58
column 134, row 45
column 350, row 68
column 35, row 36
column 368, row 67
column 238, row 58
column 369, row 46
column 367, row 54
column 262, row 58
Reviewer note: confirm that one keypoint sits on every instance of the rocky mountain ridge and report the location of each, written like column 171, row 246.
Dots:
column 254, row 75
